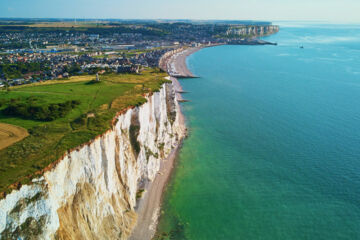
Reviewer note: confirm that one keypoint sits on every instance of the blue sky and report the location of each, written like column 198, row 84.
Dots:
column 273, row 10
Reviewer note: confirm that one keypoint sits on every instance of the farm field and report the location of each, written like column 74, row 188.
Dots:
column 10, row 134
column 89, row 108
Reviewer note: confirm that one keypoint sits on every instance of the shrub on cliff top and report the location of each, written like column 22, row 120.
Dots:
column 31, row 109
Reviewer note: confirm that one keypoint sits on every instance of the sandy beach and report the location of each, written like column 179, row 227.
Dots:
column 176, row 66
column 149, row 206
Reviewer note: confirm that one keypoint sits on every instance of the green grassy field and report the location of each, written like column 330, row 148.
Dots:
column 48, row 141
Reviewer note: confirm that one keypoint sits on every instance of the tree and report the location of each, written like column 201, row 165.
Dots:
column 6, row 83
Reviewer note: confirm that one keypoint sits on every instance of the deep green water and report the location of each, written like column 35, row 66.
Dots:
column 274, row 145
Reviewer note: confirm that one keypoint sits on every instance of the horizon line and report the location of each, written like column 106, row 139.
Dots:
column 180, row 19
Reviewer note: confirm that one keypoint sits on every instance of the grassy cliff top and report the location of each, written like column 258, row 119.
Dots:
column 63, row 114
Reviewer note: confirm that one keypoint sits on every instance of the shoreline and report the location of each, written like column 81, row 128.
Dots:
column 149, row 206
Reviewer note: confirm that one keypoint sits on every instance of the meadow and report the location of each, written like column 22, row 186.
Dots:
column 49, row 140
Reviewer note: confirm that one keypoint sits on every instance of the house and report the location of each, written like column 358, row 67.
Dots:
column 18, row 81
column 128, row 69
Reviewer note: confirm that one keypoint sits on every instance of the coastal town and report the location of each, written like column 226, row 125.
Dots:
column 35, row 51
column 23, row 68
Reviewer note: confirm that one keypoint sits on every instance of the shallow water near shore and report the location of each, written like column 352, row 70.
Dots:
column 274, row 144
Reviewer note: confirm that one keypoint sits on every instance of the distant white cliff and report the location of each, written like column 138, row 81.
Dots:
column 256, row 30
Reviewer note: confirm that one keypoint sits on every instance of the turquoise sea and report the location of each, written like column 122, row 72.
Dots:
column 274, row 144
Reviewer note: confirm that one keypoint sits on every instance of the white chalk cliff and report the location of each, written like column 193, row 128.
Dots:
column 91, row 192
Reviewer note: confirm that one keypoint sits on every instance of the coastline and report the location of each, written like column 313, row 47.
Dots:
column 149, row 206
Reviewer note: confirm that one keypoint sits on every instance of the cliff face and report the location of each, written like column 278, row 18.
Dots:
column 257, row 31
column 91, row 193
